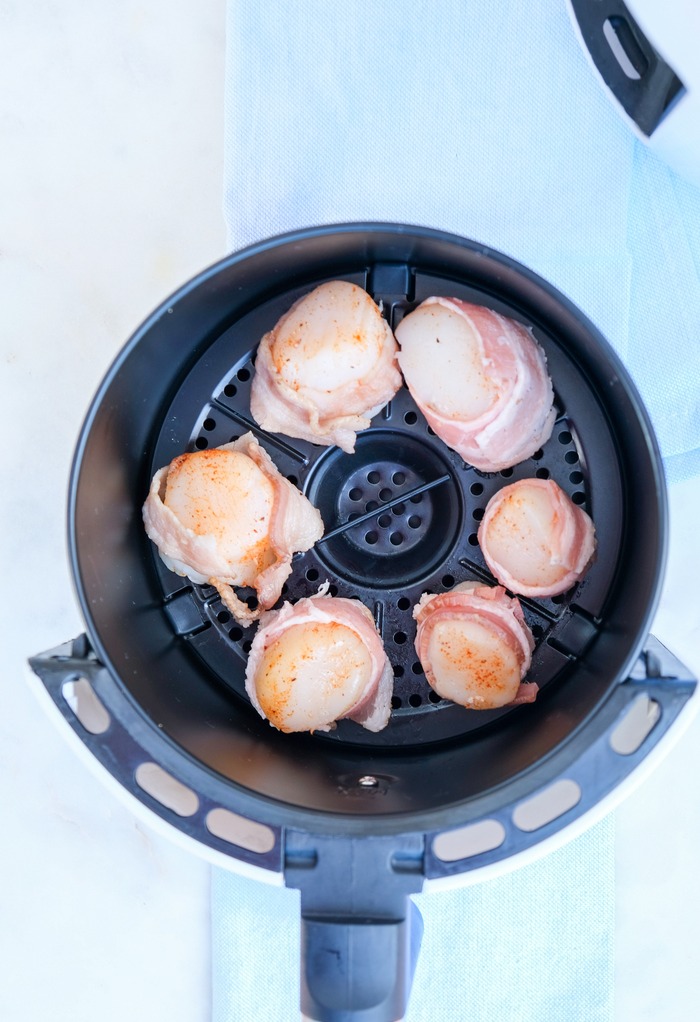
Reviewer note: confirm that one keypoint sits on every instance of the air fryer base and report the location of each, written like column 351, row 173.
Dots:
column 361, row 915
column 604, row 777
column 444, row 793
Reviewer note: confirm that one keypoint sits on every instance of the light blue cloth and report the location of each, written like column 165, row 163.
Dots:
column 485, row 120
column 664, row 350
column 535, row 945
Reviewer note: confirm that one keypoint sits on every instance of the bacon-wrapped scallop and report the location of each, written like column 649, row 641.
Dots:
column 480, row 380
column 535, row 540
column 226, row 516
column 326, row 367
column 318, row 661
column 475, row 646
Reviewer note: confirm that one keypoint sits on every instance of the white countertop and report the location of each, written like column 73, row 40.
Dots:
column 112, row 137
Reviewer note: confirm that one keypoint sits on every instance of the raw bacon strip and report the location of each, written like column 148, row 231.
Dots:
column 318, row 661
column 534, row 539
column 227, row 517
column 480, row 380
column 326, row 368
column 475, row 646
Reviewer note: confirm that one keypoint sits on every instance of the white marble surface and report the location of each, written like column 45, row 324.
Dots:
column 110, row 197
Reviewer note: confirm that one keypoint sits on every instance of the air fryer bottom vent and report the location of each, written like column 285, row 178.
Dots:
column 401, row 516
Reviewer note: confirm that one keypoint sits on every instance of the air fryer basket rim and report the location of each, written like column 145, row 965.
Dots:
column 276, row 809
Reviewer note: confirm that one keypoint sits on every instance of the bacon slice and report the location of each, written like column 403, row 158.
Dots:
column 480, row 380
column 316, row 662
column 227, row 517
column 475, row 646
column 534, row 539
column 326, row 368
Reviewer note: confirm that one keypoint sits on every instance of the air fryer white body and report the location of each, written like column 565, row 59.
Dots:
column 673, row 29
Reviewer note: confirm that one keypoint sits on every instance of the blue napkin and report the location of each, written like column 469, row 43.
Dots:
column 664, row 350
column 484, row 120
column 535, row 945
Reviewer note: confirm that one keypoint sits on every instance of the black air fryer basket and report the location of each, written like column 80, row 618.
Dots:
column 358, row 820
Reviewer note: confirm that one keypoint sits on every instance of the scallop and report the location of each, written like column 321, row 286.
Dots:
column 535, row 540
column 326, row 368
column 227, row 517
column 479, row 378
column 475, row 646
column 318, row 661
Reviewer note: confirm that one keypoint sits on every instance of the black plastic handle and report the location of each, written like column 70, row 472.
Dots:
column 358, row 970
column 360, row 933
column 641, row 81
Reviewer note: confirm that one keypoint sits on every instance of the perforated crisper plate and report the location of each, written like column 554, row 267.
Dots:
column 400, row 514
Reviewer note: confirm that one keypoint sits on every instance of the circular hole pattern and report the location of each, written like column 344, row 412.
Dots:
column 332, row 590
column 506, row 473
column 293, row 480
column 578, row 497
column 312, row 574
column 223, row 616
column 245, row 646
column 410, row 418
column 417, row 499
column 252, row 602
column 576, row 477
column 478, row 514
column 209, row 424
column 399, row 638
column 537, row 455
column 201, row 442
column 565, row 437
column 473, row 539
column 542, row 473
column 403, row 603
column 477, row 489
column 398, row 671
column 236, row 634
column 417, row 667
column 402, row 552
column 434, row 697
column 448, row 581
column 415, row 699
column 430, row 431
column 571, row 457
column 243, row 375
column 353, row 515
column 230, row 390
column 395, row 703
